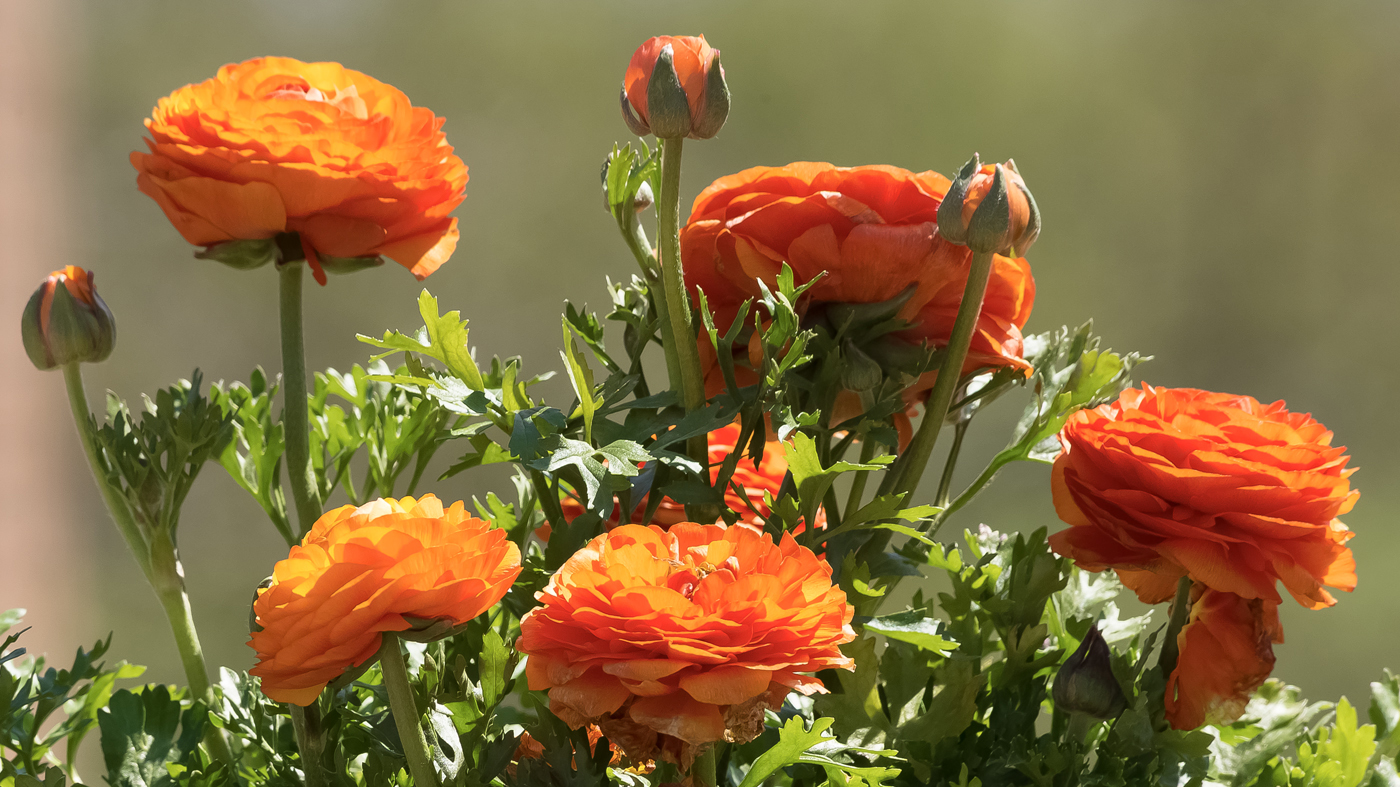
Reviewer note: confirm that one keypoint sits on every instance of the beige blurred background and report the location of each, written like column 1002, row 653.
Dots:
column 1217, row 182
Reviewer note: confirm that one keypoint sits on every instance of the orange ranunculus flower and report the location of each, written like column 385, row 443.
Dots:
column 1238, row 495
column 363, row 571
column 1022, row 217
column 872, row 230
column 701, row 78
column 275, row 145
column 752, row 509
column 670, row 640
column 1227, row 651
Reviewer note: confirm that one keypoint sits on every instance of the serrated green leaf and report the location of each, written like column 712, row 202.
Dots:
column 914, row 627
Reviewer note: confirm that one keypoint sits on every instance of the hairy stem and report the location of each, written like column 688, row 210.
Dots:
column 158, row 561
column 673, row 284
column 405, row 711
column 1181, row 608
column 311, row 742
column 294, row 414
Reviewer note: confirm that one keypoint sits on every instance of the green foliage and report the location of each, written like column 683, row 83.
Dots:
column 151, row 739
column 153, row 462
column 254, row 457
column 443, row 338
column 44, row 710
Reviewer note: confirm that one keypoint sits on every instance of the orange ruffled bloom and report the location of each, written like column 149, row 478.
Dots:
column 275, row 145
column 363, row 571
column 673, row 639
column 872, row 230
column 1227, row 651
column 1239, row 496
column 755, row 481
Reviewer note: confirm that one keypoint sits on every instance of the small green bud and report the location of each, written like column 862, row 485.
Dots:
column 1086, row 683
column 860, row 372
column 242, row 255
column 66, row 321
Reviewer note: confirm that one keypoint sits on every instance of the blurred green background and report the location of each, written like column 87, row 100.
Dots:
column 1217, row 182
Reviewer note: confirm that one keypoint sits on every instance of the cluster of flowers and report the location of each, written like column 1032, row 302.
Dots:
column 670, row 635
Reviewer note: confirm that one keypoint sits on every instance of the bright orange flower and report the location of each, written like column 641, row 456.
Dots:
column 706, row 96
column 385, row 566
column 1165, row 483
column 1227, row 651
column 872, row 230
column 672, row 639
column 750, row 506
column 1168, row 483
column 275, row 145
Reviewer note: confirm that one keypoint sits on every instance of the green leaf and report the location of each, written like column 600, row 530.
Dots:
column 582, row 379
column 143, row 733
column 1344, row 750
column 813, row 480
column 444, row 339
column 794, row 739
column 914, row 627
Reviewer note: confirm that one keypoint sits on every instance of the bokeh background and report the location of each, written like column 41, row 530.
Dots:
column 1218, row 183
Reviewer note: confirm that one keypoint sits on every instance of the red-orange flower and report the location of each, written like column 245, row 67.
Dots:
column 1227, row 651
column 751, row 507
column 363, row 571
column 672, row 639
column 275, row 145
column 702, row 107
column 872, row 230
column 1236, row 495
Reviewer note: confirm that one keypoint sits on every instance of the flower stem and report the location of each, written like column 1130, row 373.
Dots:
column 311, row 742
column 158, row 560
column 945, row 483
column 116, row 505
column 909, row 468
column 682, row 332
column 1181, row 608
column 405, row 710
column 294, row 415
column 702, row 773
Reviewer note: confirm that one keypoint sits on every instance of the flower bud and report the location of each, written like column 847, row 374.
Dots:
column 1086, row 683
column 860, row 372
column 989, row 209
column 674, row 87
column 69, row 323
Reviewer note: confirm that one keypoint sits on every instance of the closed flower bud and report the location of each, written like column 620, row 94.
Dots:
column 1085, row 682
column 860, row 372
column 989, row 209
column 69, row 323
column 674, row 87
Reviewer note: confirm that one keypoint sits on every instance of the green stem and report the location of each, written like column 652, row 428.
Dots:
column 294, row 415
column 909, row 468
column 116, row 504
column 867, row 452
column 405, row 711
column 311, row 742
column 158, row 560
column 668, row 218
column 702, row 772
column 1181, row 608
column 970, row 492
column 945, row 483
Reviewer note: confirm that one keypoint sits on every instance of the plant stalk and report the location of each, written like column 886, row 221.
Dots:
column 405, row 711
column 1181, row 609
column 945, row 483
column 159, row 563
column 703, row 771
column 668, row 216
column 294, row 411
column 311, row 742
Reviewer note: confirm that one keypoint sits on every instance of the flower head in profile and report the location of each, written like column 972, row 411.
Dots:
column 389, row 565
column 66, row 321
column 872, row 231
column 1235, row 495
column 273, row 146
column 670, row 640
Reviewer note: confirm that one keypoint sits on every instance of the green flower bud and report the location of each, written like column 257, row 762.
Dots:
column 989, row 209
column 69, row 323
column 860, row 372
column 1086, row 683
column 674, row 88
